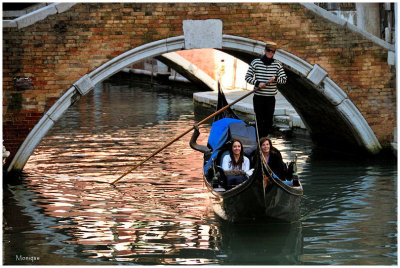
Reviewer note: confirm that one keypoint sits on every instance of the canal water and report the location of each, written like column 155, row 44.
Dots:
column 64, row 211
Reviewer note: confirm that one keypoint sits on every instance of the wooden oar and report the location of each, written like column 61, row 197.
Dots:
column 182, row 134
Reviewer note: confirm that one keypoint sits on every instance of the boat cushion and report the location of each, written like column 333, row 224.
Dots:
column 288, row 183
column 235, row 180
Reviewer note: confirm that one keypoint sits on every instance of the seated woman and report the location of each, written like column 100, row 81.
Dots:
column 273, row 158
column 236, row 165
column 235, row 160
column 234, row 172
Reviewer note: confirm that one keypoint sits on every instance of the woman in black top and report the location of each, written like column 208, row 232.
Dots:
column 273, row 158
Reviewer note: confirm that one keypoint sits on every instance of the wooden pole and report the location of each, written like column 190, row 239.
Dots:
column 182, row 134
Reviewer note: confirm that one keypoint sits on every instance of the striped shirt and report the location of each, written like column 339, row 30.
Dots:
column 258, row 73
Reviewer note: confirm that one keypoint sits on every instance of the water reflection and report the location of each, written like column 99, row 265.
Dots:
column 349, row 213
column 111, row 232
column 262, row 243
column 66, row 212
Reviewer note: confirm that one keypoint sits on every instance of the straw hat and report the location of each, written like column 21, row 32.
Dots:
column 271, row 45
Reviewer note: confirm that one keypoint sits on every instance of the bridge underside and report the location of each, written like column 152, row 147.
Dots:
column 324, row 121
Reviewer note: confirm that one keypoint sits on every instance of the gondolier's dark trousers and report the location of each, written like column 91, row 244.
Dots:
column 264, row 107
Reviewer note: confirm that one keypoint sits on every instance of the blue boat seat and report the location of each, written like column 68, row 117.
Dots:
column 234, row 178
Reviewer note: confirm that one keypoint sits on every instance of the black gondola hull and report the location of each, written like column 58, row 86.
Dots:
column 251, row 200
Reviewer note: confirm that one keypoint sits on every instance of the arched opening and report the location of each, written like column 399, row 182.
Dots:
column 329, row 114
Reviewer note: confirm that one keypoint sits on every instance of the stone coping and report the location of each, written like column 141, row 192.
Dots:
column 37, row 15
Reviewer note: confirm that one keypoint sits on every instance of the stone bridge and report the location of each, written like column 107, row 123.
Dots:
column 341, row 79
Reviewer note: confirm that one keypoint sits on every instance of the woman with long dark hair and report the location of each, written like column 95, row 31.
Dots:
column 236, row 165
column 273, row 158
column 236, row 160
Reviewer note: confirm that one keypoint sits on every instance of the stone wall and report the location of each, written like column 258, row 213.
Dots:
column 57, row 51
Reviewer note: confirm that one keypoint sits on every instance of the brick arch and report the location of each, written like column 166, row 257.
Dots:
column 312, row 79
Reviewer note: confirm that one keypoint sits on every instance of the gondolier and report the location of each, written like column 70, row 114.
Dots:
column 265, row 74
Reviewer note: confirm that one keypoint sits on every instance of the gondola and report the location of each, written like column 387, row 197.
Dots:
column 262, row 195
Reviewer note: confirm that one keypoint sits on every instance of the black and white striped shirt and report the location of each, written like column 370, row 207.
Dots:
column 258, row 73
